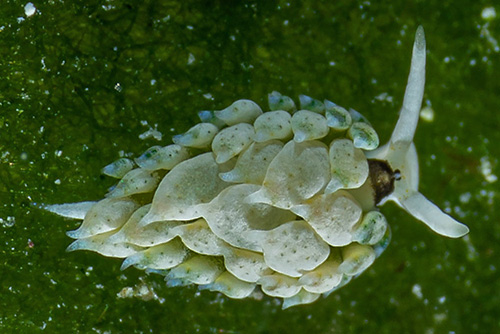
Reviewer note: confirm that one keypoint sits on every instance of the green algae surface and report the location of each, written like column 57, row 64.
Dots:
column 82, row 81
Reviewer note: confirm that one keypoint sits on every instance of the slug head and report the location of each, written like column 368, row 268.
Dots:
column 400, row 154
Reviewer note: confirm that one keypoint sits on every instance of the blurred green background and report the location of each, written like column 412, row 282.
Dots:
column 82, row 80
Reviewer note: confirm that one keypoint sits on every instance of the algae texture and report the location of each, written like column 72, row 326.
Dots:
column 82, row 80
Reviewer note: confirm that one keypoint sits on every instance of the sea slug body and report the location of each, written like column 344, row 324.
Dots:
column 285, row 200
